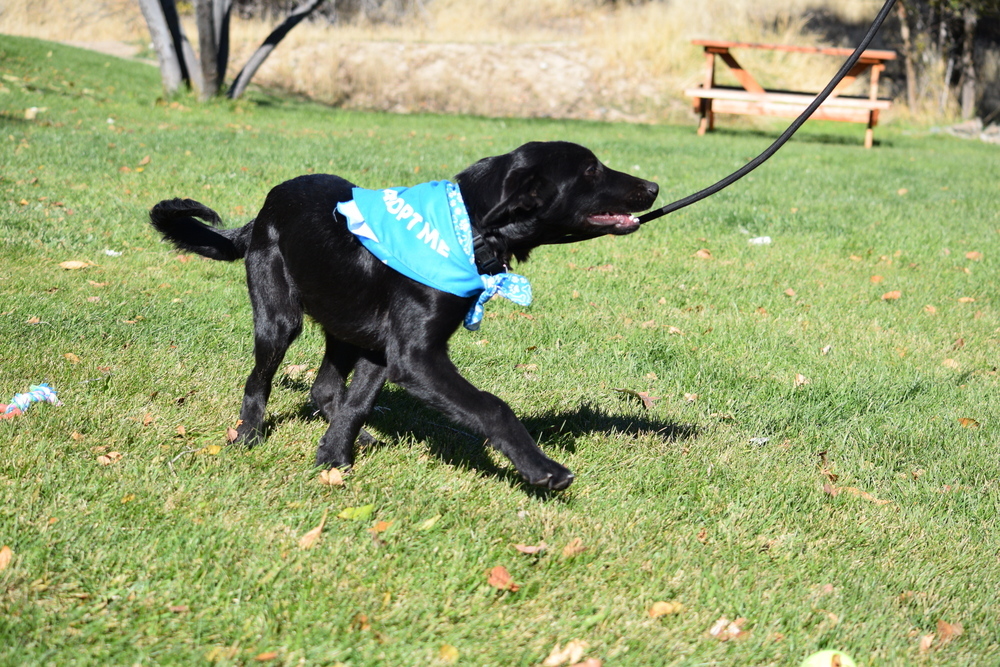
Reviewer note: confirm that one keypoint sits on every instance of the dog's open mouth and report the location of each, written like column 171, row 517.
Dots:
column 615, row 223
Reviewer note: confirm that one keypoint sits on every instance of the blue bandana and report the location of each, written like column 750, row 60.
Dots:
column 424, row 233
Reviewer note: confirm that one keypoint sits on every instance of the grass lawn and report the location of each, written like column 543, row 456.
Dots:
column 821, row 461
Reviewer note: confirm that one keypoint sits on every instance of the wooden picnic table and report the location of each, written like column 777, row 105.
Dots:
column 710, row 98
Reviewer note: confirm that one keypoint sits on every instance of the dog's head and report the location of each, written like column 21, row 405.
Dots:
column 551, row 192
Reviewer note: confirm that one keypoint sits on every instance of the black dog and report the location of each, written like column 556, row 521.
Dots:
column 301, row 258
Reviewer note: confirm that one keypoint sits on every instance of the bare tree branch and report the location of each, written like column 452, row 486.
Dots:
column 264, row 50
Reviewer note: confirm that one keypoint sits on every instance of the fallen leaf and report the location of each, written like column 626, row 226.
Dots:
column 858, row 493
column 892, row 296
column 380, row 527
column 309, row 539
column 876, row 279
column 571, row 653
column 974, row 255
column 690, row 398
column 789, row 292
column 801, row 379
column 647, row 400
column 702, row 536
column 144, row 161
column 951, row 363
column 826, row 350
column 929, row 309
column 109, row 458
column 674, row 331
column 6, row 556
column 34, row 319
column 294, row 370
column 448, row 653
column 181, row 431
column 665, row 609
column 210, row 450
column 266, row 656
column 531, row 550
column 926, row 641
column 958, row 344
column 429, row 523
column 73, row 265
column 128, row 498
column 500, row 578
column 968, row 422
column 71, row 358
column 948, row 631
column 967, row 299
column 901, row 191
column 360, row 513
column 148, row 419
column 232, row 434
column 77, row 436
column 574, row 548
column 526, row 367
column 589, row 662
column 331, row 477
column 725, row 630
column 704, row 253
column 179, row 608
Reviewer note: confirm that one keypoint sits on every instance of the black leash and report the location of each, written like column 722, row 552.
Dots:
column 785, row 136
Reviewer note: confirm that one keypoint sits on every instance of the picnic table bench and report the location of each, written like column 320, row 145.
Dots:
column 710, row 98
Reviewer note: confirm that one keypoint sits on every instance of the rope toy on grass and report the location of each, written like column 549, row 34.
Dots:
column 37, row 393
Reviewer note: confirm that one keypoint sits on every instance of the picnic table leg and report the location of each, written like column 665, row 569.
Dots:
column 707, row 120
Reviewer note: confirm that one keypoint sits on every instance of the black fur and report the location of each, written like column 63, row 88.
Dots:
column 381, row 325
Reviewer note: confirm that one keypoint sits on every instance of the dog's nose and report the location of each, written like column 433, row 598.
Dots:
column 652, row 188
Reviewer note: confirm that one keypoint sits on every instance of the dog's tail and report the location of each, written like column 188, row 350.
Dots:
column 176, row 220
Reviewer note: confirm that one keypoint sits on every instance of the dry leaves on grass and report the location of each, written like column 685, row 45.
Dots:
column 946, row 632
column 644, row 396
column 968, row 422
column 359, row 513
column 109, row 458
column 892, row 296
column 74, row 265
column 831, row 490
column 801, row 380
column 566, row 655
column 308, row 540
column 6, row 556
column 532, row 549
column 331, row 477
column 448, row 654
column 725, row 630
column 665, row 609
column 704, row 253
column 267, row 656
column 575, row 547
column 500, row 579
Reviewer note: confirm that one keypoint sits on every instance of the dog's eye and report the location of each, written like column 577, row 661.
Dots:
column 592, row 171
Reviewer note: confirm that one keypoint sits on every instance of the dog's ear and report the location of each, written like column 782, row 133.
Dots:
column 524, row 191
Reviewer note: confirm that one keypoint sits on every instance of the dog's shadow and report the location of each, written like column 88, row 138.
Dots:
column 398, row 414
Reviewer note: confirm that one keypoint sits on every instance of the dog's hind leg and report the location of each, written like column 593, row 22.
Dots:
column 348, row 411
column 277, row 322
column 331, row 382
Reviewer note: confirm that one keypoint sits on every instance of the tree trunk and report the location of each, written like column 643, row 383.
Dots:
column 213, row 43
column 264, row 50
column 908, row 57
column 166, row 55
column 967, row 85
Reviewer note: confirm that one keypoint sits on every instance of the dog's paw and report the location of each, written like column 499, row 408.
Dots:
column 556, row 480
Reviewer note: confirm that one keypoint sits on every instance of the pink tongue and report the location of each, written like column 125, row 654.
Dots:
column 609, row 219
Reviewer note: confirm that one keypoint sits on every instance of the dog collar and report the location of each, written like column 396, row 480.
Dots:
column 424, row 233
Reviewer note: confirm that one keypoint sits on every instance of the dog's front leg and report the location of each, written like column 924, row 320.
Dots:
column 430, row 376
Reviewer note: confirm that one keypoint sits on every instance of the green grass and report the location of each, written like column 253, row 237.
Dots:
column 178, row 555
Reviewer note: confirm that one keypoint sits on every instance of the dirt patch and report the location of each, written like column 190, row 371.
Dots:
column 553, row 80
